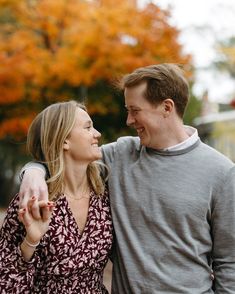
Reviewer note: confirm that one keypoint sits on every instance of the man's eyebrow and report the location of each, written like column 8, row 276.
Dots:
column 132, row 106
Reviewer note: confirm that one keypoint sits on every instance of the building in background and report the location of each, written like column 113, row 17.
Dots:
column 216, row 126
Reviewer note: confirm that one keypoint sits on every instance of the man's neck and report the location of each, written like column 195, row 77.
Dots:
column 192, row 137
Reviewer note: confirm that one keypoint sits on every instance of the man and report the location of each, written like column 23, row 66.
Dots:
column 172, row 197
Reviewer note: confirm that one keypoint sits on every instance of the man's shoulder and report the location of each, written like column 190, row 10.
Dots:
column 123, row 143
column 120, row 150
column 214, row 156
column 129, row 142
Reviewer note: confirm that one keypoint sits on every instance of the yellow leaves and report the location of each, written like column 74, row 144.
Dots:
column 8, row 3
column 229, row 52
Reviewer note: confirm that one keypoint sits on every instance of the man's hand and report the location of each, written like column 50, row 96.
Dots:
column 33, row 184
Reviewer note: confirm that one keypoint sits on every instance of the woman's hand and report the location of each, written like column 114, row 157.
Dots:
column 36, row 217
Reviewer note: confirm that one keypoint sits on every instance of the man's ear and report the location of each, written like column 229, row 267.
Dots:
column 168, row 106
column 66, row 145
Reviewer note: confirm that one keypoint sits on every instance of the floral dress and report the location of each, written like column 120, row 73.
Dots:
column 65, row 261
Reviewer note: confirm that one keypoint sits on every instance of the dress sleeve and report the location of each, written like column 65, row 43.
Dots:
column 223, row 236
column 15, row 272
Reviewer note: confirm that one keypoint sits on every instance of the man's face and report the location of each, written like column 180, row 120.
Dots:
column 147, row 119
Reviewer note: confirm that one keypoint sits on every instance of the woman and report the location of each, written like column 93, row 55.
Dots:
column 63, row 246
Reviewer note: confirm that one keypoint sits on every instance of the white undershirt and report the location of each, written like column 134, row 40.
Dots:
column 193, row 137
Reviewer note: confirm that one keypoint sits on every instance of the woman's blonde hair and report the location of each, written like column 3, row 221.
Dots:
column 46, row 136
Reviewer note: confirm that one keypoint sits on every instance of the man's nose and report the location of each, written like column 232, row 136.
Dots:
column 130, row 119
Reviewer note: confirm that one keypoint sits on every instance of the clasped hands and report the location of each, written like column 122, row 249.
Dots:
column 36, row 216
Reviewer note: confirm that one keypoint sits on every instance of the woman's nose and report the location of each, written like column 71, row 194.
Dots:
column 97, row 134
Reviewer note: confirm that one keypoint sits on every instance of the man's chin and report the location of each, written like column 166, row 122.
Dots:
column 143, row 142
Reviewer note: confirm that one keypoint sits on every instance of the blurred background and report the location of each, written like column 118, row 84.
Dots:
column 57, row 50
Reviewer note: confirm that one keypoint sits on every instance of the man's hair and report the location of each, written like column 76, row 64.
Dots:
column 45, row 140
column 164, row 81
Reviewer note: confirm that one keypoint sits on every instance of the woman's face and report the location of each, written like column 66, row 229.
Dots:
column 82, row 142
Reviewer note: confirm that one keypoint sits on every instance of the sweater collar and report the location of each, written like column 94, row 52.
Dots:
column 193, row 137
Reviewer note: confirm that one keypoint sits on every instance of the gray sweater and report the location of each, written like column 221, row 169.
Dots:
column 173, row 215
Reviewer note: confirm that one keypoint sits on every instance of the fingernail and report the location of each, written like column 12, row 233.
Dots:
column 50, row 203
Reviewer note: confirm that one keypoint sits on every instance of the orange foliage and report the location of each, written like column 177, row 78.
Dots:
column 15, row 127
column 48, row 46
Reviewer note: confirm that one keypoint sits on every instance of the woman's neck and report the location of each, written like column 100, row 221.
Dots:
column 75, row 180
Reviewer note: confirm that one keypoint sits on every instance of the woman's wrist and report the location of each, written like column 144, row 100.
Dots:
column 28, row 249
column 31, row 244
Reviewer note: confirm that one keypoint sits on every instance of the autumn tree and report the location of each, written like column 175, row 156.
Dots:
column 73, row 49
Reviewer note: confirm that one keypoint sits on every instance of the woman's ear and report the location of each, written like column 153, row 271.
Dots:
column 66, row 145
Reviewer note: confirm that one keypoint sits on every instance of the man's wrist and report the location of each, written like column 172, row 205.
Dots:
column 33, row 165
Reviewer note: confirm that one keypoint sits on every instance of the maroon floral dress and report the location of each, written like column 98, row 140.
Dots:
column 65, row 261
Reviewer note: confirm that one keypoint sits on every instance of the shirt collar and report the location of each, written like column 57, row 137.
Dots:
column 193, row 137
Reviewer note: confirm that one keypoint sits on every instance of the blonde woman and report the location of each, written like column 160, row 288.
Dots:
column 60, row 246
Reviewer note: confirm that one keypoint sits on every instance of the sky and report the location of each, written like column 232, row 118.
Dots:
column 202, row 24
